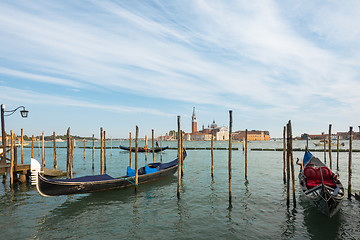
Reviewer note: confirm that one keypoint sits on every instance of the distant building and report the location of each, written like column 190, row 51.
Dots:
column 194, row 122
column 253, row 135
column 220, row 134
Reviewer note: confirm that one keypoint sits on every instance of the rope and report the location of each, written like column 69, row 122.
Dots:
column 131, row 181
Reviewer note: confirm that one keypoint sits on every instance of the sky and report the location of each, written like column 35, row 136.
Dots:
column 121, row 64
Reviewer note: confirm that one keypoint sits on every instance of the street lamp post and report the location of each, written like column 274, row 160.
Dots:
column 24, row 114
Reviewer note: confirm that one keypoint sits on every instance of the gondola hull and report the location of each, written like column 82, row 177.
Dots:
column 157, row 149
column 50, row 187
column 89, row 184
column 327, row 199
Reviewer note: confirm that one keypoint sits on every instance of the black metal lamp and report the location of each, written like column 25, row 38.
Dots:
column 23, row 112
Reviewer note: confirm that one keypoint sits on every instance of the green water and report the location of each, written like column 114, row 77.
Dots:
column 258, row 208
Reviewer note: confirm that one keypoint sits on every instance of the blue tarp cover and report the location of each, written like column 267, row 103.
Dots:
column 307, row 157
column 85, row 178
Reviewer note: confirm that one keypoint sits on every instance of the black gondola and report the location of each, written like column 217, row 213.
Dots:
column 157, row 149
column 88, row 184
column 320, row 185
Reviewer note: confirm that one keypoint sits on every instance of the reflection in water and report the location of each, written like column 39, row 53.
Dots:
column 318, row 225
column 289, row 227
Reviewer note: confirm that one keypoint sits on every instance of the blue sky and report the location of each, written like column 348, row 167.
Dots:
column 118, row 64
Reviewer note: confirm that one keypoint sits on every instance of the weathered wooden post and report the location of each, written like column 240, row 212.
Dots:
column 161, row 148
column 324, row 138
column 3, row 135
column 32, row 146
column 136, row 157
column 22, row 146
column 111, row 146
column 93, row 151
column 229, row 160
column 337, row 153
column 84, row 148
column 212, row 153
column 288, row 167
column 246, row 147
column 101, row 151
column 350, row 163
column 181, row 153
column 284, row 155
column 153, row 147
column 330, row 153
column 146, row 147
column 12, row 159
column 43, row 150
column 104, row 151
column 55, row 159
column 179, row 157
column 71, row 156
column 130, row 149
column 292, row 164
column 68, row 153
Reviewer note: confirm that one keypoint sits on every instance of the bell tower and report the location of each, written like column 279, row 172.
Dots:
column 194, row 122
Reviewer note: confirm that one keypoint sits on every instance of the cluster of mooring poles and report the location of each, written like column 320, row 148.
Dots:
column 288, row 163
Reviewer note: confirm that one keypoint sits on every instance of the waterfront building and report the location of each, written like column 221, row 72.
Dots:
column 253, row 135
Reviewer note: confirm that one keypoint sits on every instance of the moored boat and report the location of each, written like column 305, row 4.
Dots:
column 320, row 185
column 157, row 149
column 52, row 187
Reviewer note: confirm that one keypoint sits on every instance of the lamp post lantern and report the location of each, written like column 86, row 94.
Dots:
column 24, row 114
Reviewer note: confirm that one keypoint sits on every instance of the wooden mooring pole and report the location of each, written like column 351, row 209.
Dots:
column 284, row 155
column 84, row 148
column 68, row 154
column 71, row 164
column 246, row 147
column 136, row 157
column 22, row 146
column 12, row 159
column 153, row 148
column 130, row 149
column 32, row 146
column 337, row 152
column 179, row 157
column 161, row 148
column 101, row 151
column 104, row 151
column 93, row 150
column 324, row 138
column 212, row 153
column 292, row 165
column 287, row 167
column 330, row 153
column 229, row 159
column 43, row 150
column 350, row 163
column 55, row 159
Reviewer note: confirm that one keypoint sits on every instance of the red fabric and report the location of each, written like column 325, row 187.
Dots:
column 326, row 174
column 313, row 176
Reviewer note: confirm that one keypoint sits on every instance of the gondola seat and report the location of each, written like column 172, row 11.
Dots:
column 326, row 176
column 311, row 177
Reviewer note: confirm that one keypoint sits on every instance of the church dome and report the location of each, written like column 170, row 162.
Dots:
column 213, row 125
